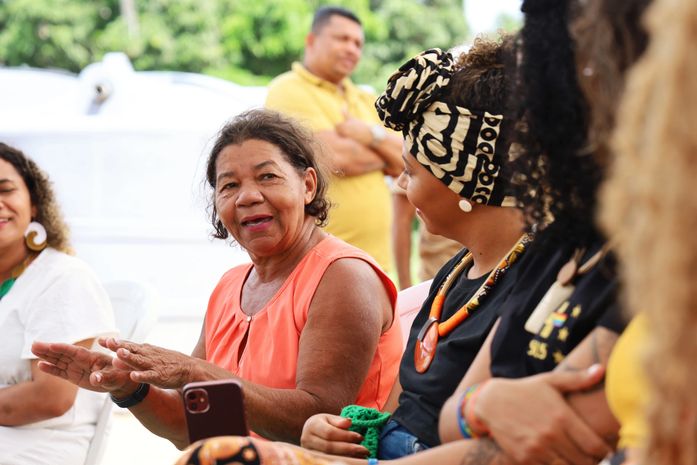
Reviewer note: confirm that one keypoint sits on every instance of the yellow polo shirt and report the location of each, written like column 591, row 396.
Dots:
column 361, row 211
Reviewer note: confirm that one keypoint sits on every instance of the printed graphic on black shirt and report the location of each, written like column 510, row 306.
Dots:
column 516, row 353
column 557, row 328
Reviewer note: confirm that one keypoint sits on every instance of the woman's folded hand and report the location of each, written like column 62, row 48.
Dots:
column 531, row 421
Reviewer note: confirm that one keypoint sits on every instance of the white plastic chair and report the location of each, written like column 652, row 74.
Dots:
column 135, row 311
column 409, row 303
column 135, row 308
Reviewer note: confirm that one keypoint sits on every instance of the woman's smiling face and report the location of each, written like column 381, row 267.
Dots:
column 260, row 197
column 15, row 208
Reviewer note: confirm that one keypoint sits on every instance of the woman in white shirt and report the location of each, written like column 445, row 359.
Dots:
column 45, row 294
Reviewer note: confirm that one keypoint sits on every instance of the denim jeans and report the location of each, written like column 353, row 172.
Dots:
column 396, row 441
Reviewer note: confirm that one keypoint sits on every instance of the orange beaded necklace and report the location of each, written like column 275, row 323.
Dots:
column 433, row 329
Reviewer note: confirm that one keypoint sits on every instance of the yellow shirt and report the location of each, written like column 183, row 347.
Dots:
column 361, row 211
column 625, row 384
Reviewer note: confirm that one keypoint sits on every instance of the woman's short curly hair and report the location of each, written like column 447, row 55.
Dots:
column 479, row 80
column 42, row 197
column 296, row 143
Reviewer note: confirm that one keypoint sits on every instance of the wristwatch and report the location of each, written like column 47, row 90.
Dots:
column 135, row 398
column 379, row 134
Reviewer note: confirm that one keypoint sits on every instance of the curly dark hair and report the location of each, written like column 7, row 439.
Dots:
column 297, row 145
column 479, row 80
column 42, row 197
column 556, row 176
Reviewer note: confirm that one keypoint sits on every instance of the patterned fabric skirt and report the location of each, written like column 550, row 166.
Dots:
column 236, row 450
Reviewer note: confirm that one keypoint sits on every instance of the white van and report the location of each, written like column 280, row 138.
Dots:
column 126, row 152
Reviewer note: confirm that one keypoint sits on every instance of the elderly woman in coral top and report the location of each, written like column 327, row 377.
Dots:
column 307, row 327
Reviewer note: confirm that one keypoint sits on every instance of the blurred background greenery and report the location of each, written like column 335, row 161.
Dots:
column 245, row 41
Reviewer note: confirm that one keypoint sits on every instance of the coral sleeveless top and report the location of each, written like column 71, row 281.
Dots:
column 270, row 355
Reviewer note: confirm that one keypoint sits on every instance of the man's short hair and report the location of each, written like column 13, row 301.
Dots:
column 324, row 14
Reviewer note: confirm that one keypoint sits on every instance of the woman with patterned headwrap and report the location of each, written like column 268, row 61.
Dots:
column 456, row 150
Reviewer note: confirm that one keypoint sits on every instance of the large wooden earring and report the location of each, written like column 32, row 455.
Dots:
column 35, row 237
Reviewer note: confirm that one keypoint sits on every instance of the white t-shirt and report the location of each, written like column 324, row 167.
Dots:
column 57, row 299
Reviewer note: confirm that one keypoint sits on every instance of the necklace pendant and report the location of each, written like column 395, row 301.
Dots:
column 553, row 298
column 426, row 343
column 567, row 273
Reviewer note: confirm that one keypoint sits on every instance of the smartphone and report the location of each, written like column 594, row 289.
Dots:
column 214, row 408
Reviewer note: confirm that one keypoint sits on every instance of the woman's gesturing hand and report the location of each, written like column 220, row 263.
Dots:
column 150, row 364
column 531, row 421
column 85, row 368
column 329, row 434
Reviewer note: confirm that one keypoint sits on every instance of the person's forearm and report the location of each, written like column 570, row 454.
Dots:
column 19, row 406
column 393, row 399
column 162, row 412
column 592, row 405
column 593, row 409
column 277, row 414
column 348, row 157
column 390, row 150
column 478, row 372
column 353, row 159
column 464, row 452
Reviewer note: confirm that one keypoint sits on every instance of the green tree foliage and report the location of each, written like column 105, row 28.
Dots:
column 509, row 23
column 51, row 33
column 248, row 41
column 180, row 35
column 404, row 28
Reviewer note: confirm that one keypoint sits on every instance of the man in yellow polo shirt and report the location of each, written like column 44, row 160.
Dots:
column 358, row 150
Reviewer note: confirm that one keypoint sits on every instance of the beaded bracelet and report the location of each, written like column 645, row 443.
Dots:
column 372, row 461
column 477, row 426
column 470, row 426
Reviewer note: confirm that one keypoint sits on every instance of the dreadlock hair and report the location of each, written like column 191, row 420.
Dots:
column 555, row 175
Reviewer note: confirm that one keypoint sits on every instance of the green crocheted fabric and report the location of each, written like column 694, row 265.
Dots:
column 367, row 422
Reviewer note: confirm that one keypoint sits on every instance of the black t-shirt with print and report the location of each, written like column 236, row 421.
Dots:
column 516, row 353
column 424, row 394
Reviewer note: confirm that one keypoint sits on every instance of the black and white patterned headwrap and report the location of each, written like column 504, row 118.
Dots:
column 459, row 146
